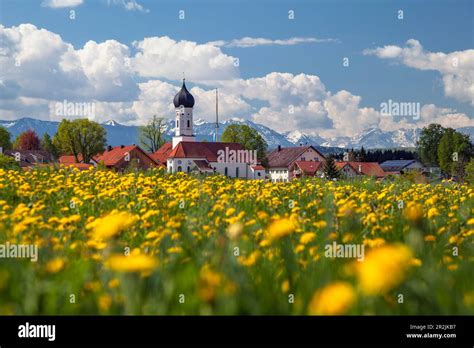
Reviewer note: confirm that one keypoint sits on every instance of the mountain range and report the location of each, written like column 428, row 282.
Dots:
column 118, row 134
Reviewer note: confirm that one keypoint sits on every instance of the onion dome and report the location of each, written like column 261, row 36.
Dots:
column 184, row 98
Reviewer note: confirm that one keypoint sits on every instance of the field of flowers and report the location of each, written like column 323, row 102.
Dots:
column 153, row 243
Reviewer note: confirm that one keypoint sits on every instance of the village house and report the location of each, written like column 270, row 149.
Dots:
column 402, row 166
column 282, row 162
column 117, row 157
column 356, row 169
column 30, row 158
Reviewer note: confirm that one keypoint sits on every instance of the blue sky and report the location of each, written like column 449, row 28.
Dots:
column 354, row 26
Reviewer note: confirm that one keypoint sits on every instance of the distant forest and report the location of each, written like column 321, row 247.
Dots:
column 379, row 156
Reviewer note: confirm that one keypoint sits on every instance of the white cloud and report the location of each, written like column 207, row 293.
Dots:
column 61, row 3
column 129, row 5
column 163, row 57
column 252, row 42
column 456, row 68
column 39, row 64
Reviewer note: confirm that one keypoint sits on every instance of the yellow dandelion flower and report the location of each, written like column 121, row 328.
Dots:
column 55, row 265
column 108, row 226
column 430, row 238
column 307, row 237
column 413, row 212
column 280, row 228
column 383, row 268
column 105, row 301
column 234, row 230
column 333, row 299
column 131, row 263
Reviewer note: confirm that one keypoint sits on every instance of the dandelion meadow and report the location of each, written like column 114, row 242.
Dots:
column 155, row 243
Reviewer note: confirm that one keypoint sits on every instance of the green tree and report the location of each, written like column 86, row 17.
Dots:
column 469, row 171
column 248, row 137
column 361, row 156
column 428, row 143
column 5, row 140
column 47, row 145
column 152, row 135
column 330, row 170
column 7, row 162
column 454, row 152
column 80, row 137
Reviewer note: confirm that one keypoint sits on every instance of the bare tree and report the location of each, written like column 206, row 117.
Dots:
column 152, row 135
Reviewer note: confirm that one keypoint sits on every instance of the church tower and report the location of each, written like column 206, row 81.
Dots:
column 183, row 102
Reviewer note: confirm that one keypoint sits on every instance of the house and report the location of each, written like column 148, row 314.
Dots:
column 281, row 160
column 401, row 166
column 185, row 154
column 354, row 169
column 161, row 155
column 70, row 161
column 30, row 158
column 120, row 157
column 306, row 168
column 257, row 172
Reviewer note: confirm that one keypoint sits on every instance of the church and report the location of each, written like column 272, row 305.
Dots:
column 185, row 154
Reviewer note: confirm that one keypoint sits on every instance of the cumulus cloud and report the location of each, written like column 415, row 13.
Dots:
column 253, row 41
column 456, row 68
column 61, row 3
column 129, row 5
column 163, row 57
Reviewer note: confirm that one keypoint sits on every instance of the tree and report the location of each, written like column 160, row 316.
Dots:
column 330, row 170
column 361, row 156
column 454, row 151
column 7, row 162
column 248, row 137
column 80, row 137
column 428, row 143
column 152, row 135
column 47, row 145
column 5, row 140
column 469, row 172
column 27, row 141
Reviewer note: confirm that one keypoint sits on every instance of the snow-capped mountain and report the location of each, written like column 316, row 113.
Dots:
column 376, row 138
column 298, row 138
column 118, row 134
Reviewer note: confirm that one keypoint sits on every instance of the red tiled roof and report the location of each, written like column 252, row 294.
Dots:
column 258, row 167
column 162, row 154
column 366, row 168
column 188, row 149
column 116, row 154
column 309, row 167
column 69, row 159
column 287, row 155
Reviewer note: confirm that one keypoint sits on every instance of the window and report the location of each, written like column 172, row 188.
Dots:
column 258, row 174
column 177, row 124
column 189, row 169
column 237, row 172
column 188, row 124
column 180, row 169
column 225, row 171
